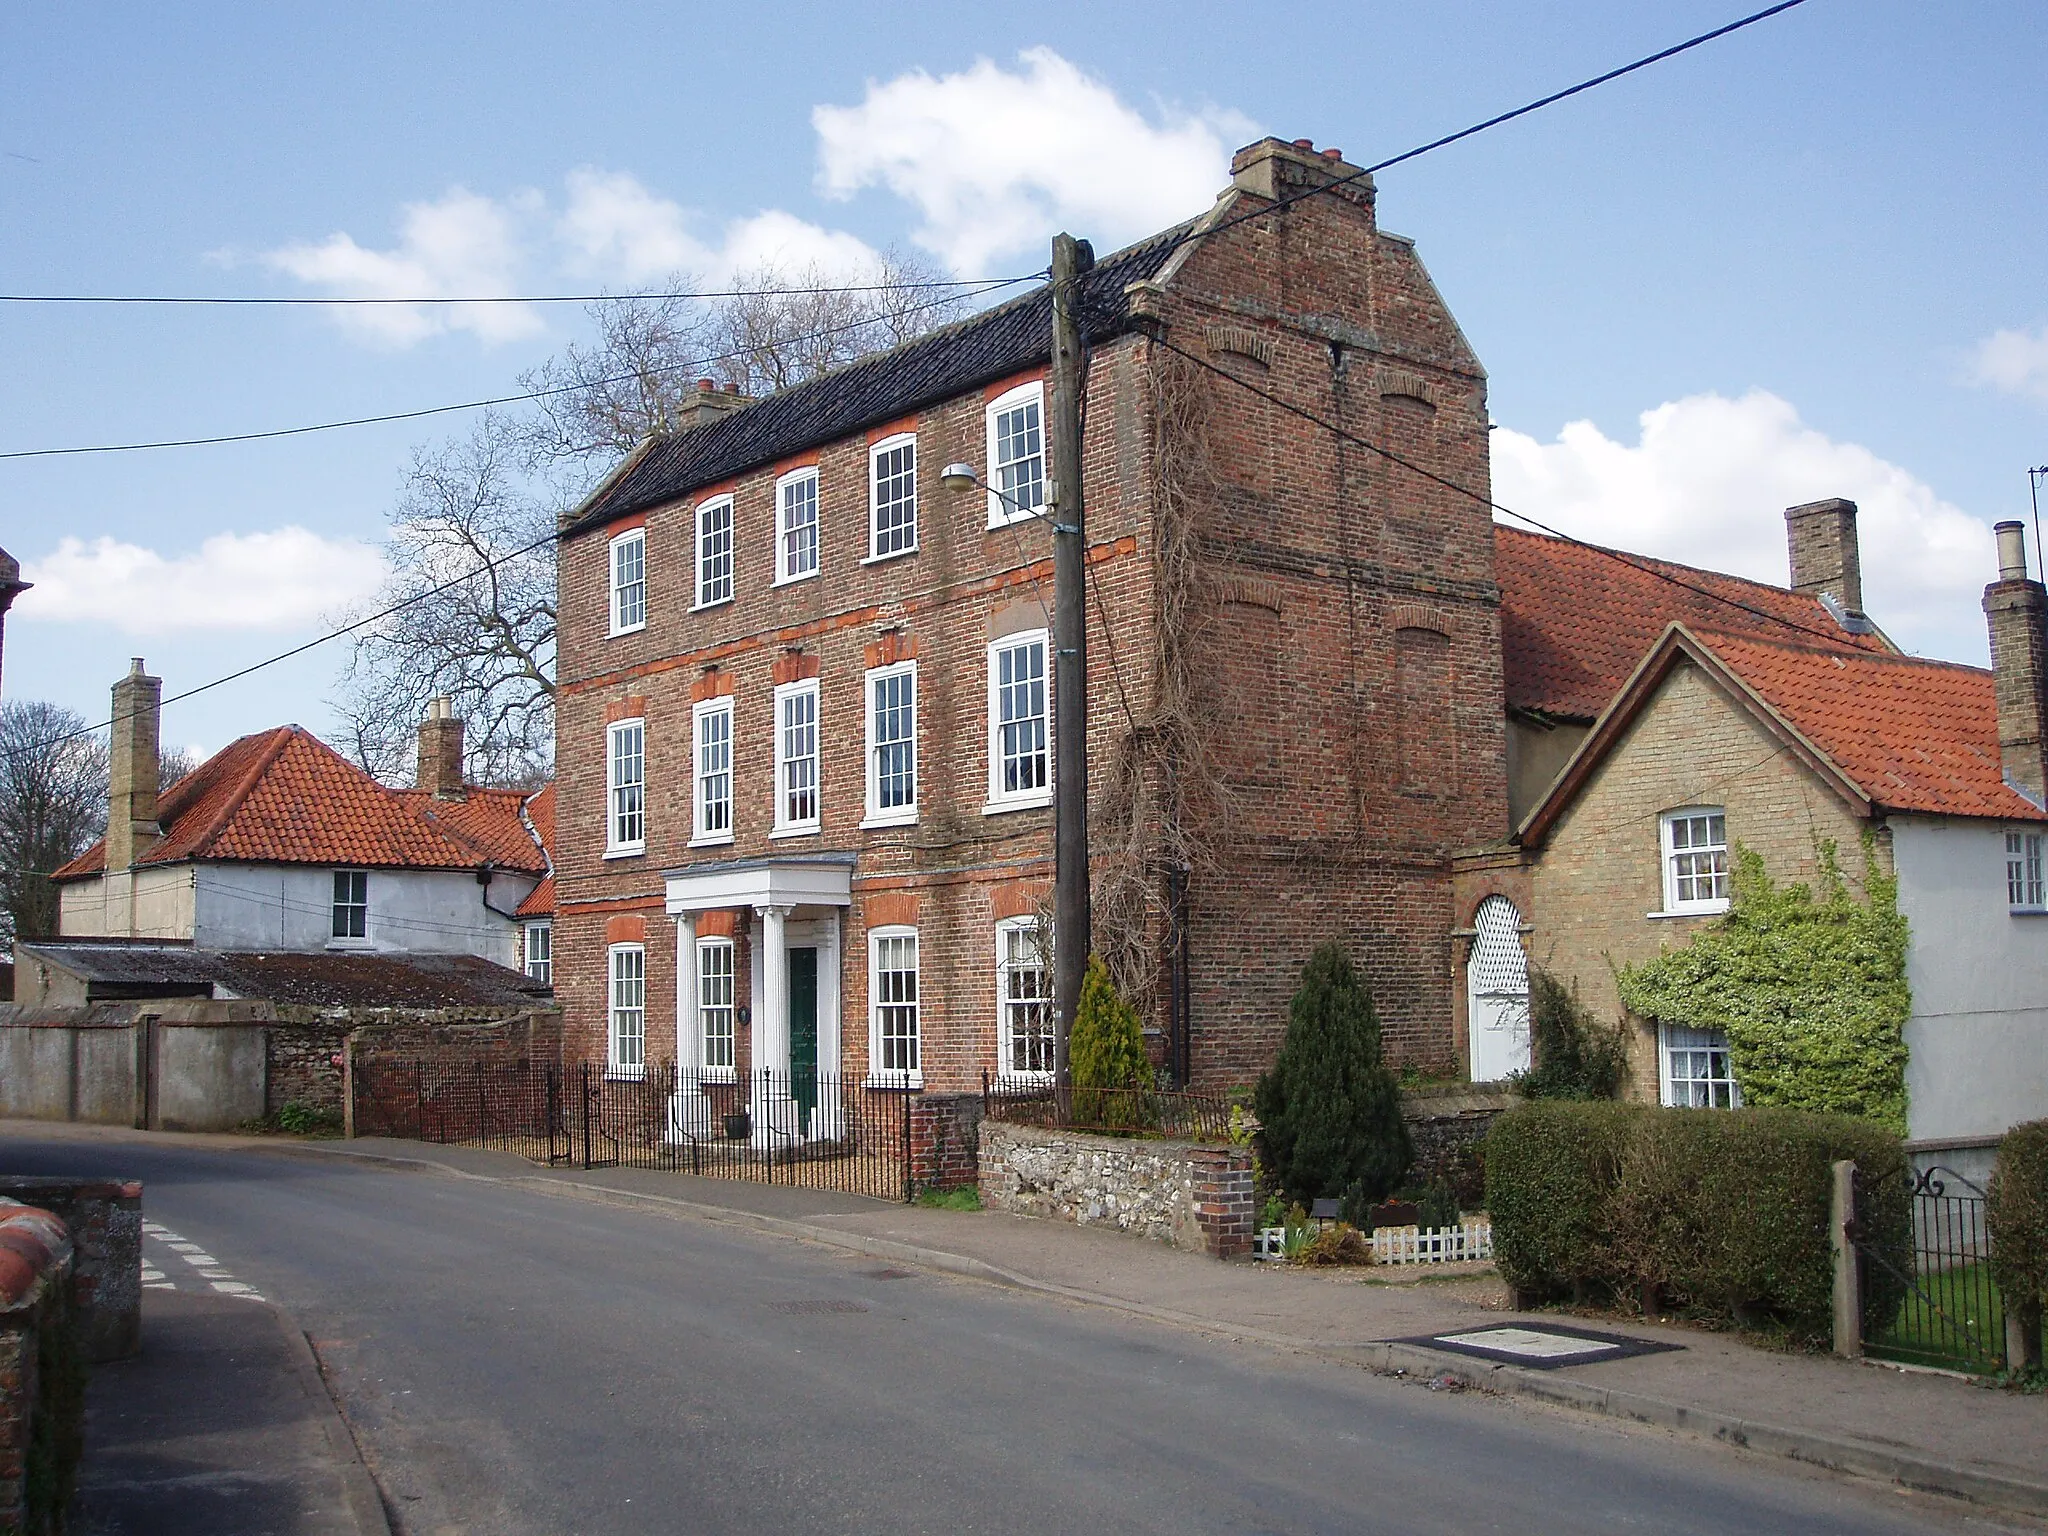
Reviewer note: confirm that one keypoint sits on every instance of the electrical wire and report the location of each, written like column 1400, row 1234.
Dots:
column 633, row 297
column 477, row 405
column 1620, row 556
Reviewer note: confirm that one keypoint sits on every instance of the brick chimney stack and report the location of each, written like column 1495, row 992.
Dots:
column 706, row 403
column 1273, row 168
column 2016, row 609
column 440, row 765
column 131, row 811
column 1825, row 560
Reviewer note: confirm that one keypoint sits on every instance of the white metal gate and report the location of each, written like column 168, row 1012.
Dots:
column 1497, row 993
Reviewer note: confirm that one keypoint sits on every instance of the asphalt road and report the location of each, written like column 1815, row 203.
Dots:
column 517, row 1362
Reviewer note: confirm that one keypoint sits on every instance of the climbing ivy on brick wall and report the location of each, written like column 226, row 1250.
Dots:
column 1809, row 985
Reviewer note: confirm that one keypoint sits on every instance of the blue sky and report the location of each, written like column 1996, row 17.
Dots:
column 1803, row 261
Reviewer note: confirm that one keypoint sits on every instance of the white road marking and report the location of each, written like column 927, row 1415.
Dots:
column 209, row 1268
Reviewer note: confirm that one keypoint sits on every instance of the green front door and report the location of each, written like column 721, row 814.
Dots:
column 803, row 1034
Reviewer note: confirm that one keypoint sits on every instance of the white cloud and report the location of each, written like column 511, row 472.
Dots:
column 2014, row 361
column 616, row 229
column 459, row 244
column 997, row 160
column 1707, row 483
column 283, row 579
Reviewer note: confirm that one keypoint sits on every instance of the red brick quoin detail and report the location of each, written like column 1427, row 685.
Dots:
column 632, row 707
column 626, row 928
column 794, row 669
column 896, row 910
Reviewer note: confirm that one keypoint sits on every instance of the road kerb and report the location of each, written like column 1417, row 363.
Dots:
column 365, row 1503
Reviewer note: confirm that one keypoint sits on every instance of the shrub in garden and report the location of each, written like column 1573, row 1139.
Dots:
column 1330, row 1110
column 1106, row 1050
column 2018, row 1213
column 1576, row 1056
column 1551, row 1171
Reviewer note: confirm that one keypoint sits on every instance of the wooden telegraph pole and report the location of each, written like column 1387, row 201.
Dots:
column 1070, row 938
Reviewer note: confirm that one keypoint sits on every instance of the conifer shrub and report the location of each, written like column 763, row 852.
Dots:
column 1106, row 1056
column 1576, row 1056
column 2018, row 1214
column 1330, row 1109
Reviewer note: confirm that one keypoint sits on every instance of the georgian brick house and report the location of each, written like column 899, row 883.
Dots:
column 803, row 719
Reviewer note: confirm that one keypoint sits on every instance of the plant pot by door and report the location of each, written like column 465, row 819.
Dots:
column 739, row 1125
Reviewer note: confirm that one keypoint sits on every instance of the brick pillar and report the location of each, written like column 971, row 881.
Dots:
column 945, row 1140
column 1223, row 1199
column 2016, row 610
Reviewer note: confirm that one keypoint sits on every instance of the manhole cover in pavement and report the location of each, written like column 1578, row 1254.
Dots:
column 810, row 1307
column 1541, row 1346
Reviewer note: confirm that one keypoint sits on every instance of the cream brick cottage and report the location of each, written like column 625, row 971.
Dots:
column 804, row 709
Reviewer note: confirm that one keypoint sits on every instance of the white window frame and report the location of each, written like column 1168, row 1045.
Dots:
column 632, row 538
column 718, row 1000
column 625, row 1003
column 787, row 566
column 889, row 445
column 540, row 967
column 1711, row 1043
column 615, row 788
column 702, row 833
column 877, row 814
column 1669, row 856
column 1001, row 798
column 360, row 879
column 879, row 1074
column 709, row 592
column 2024, row 886
column 1007, row 1006
column 786, row 825
column 1000, row 512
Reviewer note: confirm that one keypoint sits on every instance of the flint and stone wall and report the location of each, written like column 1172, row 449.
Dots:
column 1195, row 1197
column 105, row 1220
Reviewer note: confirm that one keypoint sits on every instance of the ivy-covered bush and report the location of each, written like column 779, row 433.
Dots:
column 2018, row 1214
column 1723, row 1212
column 1330, row 1109
column 1809, row 988
column 1576, row 1056
column 1551, row 1172
column 1106, row 1050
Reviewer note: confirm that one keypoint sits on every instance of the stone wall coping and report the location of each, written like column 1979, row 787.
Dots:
column 1153, row 1146
column 1456, row 1099
column 17, row 1184
column 33, row 1245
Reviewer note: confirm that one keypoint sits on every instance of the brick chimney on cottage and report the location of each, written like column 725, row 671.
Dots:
column 1274, row 168
column 132, row 828
column 1825, row 561
column 708, row 403
column 2016, row 611
column 440, row 761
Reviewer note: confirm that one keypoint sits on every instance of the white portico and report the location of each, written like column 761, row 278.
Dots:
column 794, row 998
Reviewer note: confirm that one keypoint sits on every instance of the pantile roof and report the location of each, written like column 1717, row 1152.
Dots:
column 283, row 796
column 1575, row 619
column 1007, row 339
column 540, row 817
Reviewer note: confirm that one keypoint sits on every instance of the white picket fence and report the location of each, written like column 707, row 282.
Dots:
column 1472, row 1238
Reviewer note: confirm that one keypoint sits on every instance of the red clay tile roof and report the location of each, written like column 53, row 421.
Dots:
column 283, row 796
column 540, row 816
column 1914, row 735
column 540, row 901
column 1575, row 620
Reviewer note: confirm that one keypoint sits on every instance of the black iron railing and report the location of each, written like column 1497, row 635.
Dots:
column 1950, row 1313
column 805, row 1128
column 1175, row 1115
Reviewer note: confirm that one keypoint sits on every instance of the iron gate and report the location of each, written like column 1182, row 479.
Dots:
column 1949, row 1312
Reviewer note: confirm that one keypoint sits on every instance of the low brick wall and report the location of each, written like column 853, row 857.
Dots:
column 1194, row 1196
column 944, row 1141
column 435, row 1044
column 104, row 1217
column 303, row 1065
column 42, row 1378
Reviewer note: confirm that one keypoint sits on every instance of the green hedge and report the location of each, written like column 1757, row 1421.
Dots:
column 2018, row 1212
column 1725, row 1212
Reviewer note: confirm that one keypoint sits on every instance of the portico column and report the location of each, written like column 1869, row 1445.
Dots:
column 690, row 1111
column 771, row 1027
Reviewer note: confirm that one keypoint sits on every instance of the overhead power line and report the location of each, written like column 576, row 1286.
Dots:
column 474, row 405
column 312, row 301
column 1647, row 567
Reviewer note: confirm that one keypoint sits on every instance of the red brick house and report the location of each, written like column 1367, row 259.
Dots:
column 804, row 703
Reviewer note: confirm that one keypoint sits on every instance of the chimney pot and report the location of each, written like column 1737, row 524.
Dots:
column 732, row 389
column 707, row 385
column 1821, row 539
column 1333, row 154
column 2012, row 550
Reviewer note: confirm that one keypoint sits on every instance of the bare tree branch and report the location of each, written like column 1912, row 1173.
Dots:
column 53, row 804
